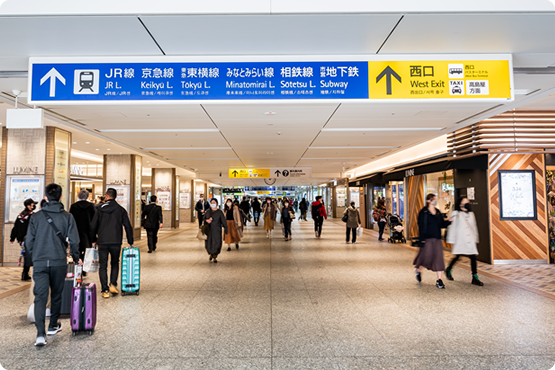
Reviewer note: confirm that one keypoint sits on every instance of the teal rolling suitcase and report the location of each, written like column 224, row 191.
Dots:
column 130, row 271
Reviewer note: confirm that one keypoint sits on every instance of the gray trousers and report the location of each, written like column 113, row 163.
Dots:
column 45, row 278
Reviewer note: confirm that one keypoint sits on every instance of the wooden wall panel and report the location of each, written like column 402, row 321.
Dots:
column 518, row 240
column 415, row 202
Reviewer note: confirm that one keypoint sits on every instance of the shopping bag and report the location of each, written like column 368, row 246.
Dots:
column 201, row 235
column 360, row 231
column 91, row 263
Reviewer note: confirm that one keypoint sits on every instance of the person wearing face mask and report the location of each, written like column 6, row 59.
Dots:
column 215, row 219
column 430, row 255
column 234, row 223
column 269, row 212
column 286, row 219
column 463, row 235
column 19, row 232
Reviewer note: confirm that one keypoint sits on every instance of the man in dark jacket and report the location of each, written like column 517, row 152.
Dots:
column 256, row 209
column 19, row 231
column 153, row 220
column 45, row 241
column 201, row 207
column 246, row 208
column 83, row 211
column 107, row 231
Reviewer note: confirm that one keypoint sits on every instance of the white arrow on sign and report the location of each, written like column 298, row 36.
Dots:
column 53, row 74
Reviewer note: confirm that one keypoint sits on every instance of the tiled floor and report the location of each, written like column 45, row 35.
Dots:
column 10, row 280
column 538, row 278
column 303, row 304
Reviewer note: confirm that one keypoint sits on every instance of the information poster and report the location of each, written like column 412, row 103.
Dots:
column 22, row 188
column 138, row 189
column 394, row 199
column 517, row 195
column 177, row 198
column 185, row 200
column 340, row 194
column 61, row 164
column 123, row 195
column 355, row 196
column 164, row 199
column 402, row 201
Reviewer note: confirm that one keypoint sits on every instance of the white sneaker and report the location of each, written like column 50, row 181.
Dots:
column 55, row 330
column 40, row 342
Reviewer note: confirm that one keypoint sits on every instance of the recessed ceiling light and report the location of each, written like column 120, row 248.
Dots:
column 86, row 142
column 189, row 148
column 270, row 113
column 97, row 149
column 353, row 147
column 108, row 149
column 75, row 142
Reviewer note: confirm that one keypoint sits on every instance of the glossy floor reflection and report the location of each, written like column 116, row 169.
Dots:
column 302, row 304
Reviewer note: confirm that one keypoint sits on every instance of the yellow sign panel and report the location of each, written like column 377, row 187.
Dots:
column 248, row 173
column 445, row 79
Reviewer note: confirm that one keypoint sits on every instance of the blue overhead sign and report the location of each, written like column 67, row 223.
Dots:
column 121, row 80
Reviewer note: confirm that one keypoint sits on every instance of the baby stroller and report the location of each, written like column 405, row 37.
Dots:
column 395, row 229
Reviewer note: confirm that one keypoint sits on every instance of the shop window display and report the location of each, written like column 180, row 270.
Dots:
column 442, row 184
column 550, row 177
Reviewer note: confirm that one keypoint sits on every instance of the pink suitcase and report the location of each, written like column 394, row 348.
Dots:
column 83, row 308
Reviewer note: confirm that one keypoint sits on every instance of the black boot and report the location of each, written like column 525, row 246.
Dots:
column 476, row 281
column 25, row 277
column 237, row 246
column 448, row 274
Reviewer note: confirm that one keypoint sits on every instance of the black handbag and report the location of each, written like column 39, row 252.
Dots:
column 345, row 218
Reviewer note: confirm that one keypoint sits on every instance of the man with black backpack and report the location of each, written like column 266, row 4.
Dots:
column 153, row 220
column 318, row 214
column 49, row 231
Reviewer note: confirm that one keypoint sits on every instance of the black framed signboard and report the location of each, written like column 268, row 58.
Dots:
column 517, row 195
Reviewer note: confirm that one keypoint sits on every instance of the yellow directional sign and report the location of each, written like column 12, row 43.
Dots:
column 246, row 173
column 440, row 79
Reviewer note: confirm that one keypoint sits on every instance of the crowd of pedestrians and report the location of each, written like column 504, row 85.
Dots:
column 46, row 235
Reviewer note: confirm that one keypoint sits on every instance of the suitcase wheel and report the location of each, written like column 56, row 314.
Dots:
column 137, row 292
column 74, row 333
column 123, row 294
column 90, row 332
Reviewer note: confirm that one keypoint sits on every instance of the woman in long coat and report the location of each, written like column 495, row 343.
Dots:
column 353, row 221
column 430, row 255
column 234, row 221
column 463, row 235
column 216, row 221
column 269, row 212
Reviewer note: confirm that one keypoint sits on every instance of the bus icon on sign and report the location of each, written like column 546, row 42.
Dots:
column 456, row 70
column 86, row 81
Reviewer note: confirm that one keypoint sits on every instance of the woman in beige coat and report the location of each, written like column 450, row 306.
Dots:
column 463, row 236
column 234, row 224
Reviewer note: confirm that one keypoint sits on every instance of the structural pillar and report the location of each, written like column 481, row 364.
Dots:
column 165, row 185
column 31, row 159
column 123, row 172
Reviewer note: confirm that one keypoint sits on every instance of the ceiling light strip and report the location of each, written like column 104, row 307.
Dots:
column 189, row 148
column 160, row 130
column 383, row 129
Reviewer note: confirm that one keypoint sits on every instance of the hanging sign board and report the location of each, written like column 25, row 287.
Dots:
column 139, row 80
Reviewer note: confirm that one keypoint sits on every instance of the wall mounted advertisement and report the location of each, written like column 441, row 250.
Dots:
column 517, row 195
column 164, row 199
column 123, row 195
column 21, row 188
column 185, row 200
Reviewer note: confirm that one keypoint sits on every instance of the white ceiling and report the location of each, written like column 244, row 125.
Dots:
column 245, row 135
